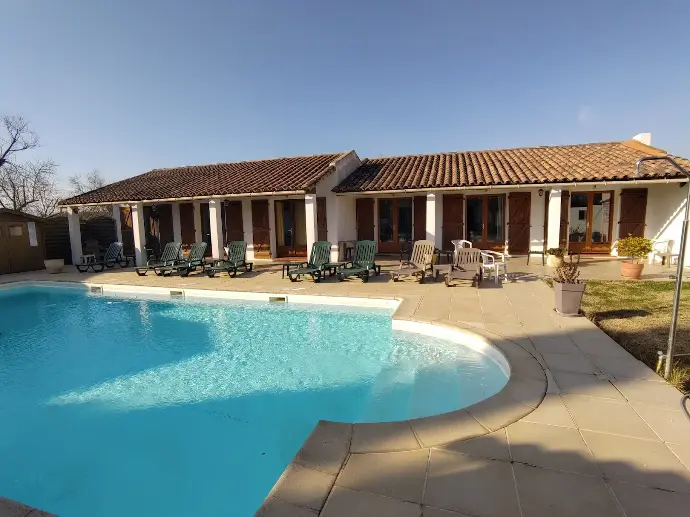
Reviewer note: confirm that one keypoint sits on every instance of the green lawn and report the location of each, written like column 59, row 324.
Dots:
column 637, row 314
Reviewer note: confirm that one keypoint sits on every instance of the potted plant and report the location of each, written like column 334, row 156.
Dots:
column 635, row 249
column 554, row 257
column 569, row 288
column 54, row 266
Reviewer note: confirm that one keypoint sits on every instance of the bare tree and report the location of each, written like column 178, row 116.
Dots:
column 81, row 185
column 24, row 183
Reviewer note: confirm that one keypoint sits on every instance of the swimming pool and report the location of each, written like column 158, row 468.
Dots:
column 119, row 406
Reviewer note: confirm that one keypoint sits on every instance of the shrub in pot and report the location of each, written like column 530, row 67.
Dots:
column 635, row 250
column 568, row 288
column 554, row 257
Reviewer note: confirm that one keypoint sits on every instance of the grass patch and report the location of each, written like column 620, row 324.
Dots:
column 637, row 314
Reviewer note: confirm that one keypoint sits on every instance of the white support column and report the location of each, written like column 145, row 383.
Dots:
column 247, row 227
column 214, row 208
column 310, row 217
column 272, row 228
column 197, row 222
column 177, row 225
column 434, row 218
column 74, row 234
column 139, row 233
column 554, row 218
column 118, row 222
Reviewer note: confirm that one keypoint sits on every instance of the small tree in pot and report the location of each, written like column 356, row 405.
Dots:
column 635, row 249
column 555, row 257
column 568, row 287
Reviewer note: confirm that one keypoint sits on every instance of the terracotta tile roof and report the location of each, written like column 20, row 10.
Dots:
column 561, row 164
column 273, row 175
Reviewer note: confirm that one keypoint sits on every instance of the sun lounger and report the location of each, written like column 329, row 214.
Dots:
column 112, row 256
column 237, row 258
column 420, row 261
column 187, row 265
column 169, row 257
column 467, row 267
column 362, row 264
column 316, row 266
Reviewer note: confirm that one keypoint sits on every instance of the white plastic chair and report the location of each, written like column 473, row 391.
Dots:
column 459, row 244
column 494, row 262
column 663, row 250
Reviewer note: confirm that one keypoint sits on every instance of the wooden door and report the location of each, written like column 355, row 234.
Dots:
column 165, row 225
column 419, row 229
column 127, row 230
column 364, row 214
column 4, row 250
column 453, row 220
column 633, row 213
column 234, row 224
column 187, row 223
column 590, row 222
column 321, row 219
column 520, row 204
column 485, row 216
column 261, row 228
column 565, row 213
column 395, row 223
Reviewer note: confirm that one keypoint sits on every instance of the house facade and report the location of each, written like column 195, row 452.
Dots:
column 579, row 197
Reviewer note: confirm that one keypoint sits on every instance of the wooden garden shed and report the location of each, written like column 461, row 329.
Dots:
column 21, row 242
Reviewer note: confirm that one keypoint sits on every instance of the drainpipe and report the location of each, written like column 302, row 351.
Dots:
column 681, row 260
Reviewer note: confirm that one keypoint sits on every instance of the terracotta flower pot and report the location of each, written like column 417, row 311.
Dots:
column 568, row 298
column 631, row 270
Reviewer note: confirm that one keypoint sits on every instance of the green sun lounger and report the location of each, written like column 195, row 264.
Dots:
column 187, row 265
column 112, row 256
column 169, row 257
column 362, row 264
column 237, row 258
column 315, row 267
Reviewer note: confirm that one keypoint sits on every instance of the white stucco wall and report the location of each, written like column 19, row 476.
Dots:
column 665, row 212
column 536, row 231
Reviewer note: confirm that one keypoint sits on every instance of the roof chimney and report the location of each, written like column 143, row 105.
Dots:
column 645, row 138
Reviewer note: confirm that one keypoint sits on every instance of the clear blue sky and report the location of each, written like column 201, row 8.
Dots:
column 127, row 86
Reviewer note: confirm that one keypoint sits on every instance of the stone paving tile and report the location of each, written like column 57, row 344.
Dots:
column 274, row 507
column 643, row 462
column 470, row 485
column 447, row 427
column 595, row 342
column 607, row 416
column 645, row 502
column 554, row 345
column 400, row 475
column 576, row 363
column 493, row 446
column 529, row 392
column 550, row 446
column 9, row 508
column 493, row 413
column 625, row 368
column 682, row 452
column 582, row 384
column 551, row 411
column 549, row 493
column 428, row 511
column 383, row 437
column 344, row 502
column 326, row 448
column 303, row 487
column 671, row 425
column 653, row 393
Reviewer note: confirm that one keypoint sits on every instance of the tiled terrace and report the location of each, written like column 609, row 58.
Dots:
column 608, row 438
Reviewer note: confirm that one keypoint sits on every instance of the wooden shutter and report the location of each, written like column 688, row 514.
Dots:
column 321, row 219
column 565, row 211
column 127, row 230
column 419, row 230
column 234, row 224
column 453, row 219
column 519, row 206
column 365, row 219
column 633, row 212
column 165, row 224
column 261, row 228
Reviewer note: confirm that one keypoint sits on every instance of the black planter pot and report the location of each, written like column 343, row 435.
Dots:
column 568, row 298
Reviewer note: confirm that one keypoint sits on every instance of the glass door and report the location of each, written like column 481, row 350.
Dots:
column 394, row 223
column 486, row 221
column 589, row 222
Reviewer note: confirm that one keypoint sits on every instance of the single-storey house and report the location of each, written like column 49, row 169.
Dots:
column 580, row 197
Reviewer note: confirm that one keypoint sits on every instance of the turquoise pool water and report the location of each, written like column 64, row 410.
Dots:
column 114, row 406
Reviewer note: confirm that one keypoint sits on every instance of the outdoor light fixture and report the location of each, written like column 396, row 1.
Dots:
column 681, row 260
column 541, row 192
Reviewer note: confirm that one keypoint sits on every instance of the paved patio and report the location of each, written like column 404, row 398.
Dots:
column 608, row 438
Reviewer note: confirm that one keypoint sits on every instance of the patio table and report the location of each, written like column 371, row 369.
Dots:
column 333, row 267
